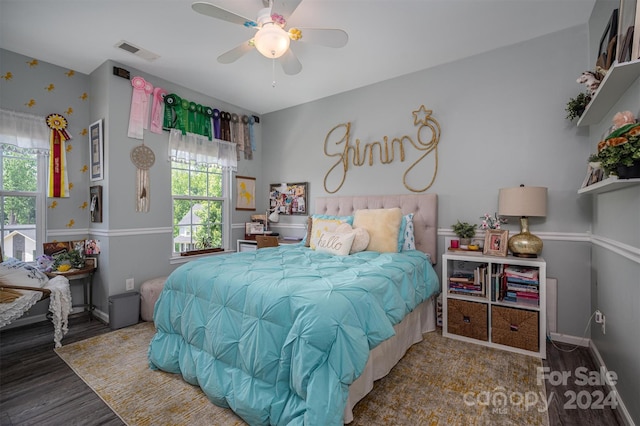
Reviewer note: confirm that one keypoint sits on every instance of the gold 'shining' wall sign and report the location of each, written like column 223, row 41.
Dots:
column 340, row 134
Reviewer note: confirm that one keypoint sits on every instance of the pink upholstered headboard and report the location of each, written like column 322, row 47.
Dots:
column 423, row 206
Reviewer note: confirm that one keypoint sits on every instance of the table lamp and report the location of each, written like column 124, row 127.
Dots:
column 523, row 201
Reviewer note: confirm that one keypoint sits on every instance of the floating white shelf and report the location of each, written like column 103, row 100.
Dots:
column 609, row 184
column 615, row 83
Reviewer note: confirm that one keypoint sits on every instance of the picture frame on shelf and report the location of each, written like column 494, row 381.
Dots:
column 594, row 175
column 635, row 47
column 608, row 43
column 626, row 24
column 495, row 242
column 245, row 193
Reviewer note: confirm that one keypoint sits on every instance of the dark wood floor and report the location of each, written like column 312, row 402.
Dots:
column 38, row 388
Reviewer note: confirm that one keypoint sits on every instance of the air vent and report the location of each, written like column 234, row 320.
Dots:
column 138, row 51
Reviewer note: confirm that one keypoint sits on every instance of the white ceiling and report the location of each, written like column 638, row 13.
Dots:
column 386, row 39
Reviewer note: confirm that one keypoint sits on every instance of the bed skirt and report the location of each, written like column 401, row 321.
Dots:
column 387, row 354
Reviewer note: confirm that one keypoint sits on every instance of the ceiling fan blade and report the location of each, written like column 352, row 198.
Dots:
column 235, row 53
column 328, row 37
column 290, row 63
column 285, row 7
column 220, row 13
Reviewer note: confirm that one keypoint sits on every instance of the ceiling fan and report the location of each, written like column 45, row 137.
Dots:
column 271, row 39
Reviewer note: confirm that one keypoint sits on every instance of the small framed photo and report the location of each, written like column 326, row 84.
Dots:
column 91, row 262
column 495, row 242
column 245, row 193
column 96, row 150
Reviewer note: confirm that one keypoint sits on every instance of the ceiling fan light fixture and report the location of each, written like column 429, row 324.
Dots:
column 272, row 41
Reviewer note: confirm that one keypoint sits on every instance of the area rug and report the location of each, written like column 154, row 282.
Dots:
column 440, row 381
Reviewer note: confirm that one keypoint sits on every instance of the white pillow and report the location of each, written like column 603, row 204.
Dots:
column 335, row 243
column 320, row 225
column 383, row 226
column 360, row 242
column 18, row 273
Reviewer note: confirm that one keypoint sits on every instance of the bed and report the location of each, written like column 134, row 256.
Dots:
column 292, row 335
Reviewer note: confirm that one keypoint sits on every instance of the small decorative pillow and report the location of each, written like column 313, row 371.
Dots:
column 322, row 224
column 335, row 243
column 409, row 237
column 19, row 273
column 383, row 226
column 360, row 242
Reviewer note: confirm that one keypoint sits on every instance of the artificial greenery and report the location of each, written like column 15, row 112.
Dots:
column 576, row 106
column 464, row 229
column 620, row 148
column 73, row 258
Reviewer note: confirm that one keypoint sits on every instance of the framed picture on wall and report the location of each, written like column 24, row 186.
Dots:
column 245, row 193
column 288, row 198
column 96, row 151
column 95, row 205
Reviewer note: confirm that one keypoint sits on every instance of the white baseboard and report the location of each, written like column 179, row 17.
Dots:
column 572, row 340
column 621, row 407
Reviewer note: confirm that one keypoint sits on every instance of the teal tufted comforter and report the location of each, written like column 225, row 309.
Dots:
column 278, row 334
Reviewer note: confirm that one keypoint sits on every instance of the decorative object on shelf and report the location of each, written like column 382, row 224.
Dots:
column 143, row 158
column 492, row 222
column 495, row 242
column 465, row 231
column 245, row 193
column 96, row 147
column 288, row 198
column 576, row 106
column 591, row 80
column 619, row 152
column 58, row 180
column 523, row 201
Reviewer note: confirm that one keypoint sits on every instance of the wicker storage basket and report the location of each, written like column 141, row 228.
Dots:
column 517, row 328
column 468, row 319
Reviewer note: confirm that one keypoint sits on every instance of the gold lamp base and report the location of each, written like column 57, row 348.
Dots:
column 525, row 244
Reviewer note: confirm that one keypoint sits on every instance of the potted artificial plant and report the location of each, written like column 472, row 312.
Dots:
column 465, row 231
column 619, row 153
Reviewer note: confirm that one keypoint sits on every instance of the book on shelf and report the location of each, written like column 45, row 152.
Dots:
column 522, row 287
column 521, row 272
column 521, row 280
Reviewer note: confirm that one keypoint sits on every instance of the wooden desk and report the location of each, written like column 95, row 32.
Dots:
column 250, row 245
column 85, row 274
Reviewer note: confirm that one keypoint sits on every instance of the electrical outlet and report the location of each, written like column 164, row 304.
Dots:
column 130, row 284
column 600, row 319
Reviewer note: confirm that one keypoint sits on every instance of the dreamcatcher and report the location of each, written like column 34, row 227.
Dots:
column 143, row 158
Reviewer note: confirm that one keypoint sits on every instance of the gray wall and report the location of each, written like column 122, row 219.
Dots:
column 503, row 123
column 133, row 244
column 615, row 261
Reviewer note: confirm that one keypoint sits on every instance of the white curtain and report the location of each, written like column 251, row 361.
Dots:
column 192, row 148
column 24, row 131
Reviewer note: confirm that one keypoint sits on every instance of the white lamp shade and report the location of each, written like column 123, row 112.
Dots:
column 272, row 41
column 523, row 201
column 275, row 216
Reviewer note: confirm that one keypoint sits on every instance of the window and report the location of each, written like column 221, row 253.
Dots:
column 22, row 201
column 199, row 201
